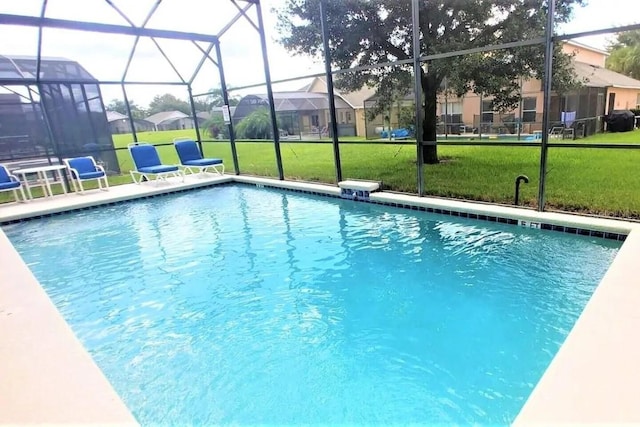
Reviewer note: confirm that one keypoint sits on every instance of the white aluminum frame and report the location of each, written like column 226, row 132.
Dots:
column 73, row 179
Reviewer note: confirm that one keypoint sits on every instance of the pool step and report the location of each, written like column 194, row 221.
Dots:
column 357, row 190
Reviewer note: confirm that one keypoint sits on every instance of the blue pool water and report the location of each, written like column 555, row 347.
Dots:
column 237, row 305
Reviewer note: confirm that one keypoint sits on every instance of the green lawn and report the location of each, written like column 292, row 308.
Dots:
column 602, row 181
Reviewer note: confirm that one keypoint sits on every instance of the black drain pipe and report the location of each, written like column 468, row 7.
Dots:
column 519, row 179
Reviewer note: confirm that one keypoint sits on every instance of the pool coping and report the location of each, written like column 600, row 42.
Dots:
column 52, row 370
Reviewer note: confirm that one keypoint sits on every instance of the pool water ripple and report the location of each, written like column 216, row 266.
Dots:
column 235, row 305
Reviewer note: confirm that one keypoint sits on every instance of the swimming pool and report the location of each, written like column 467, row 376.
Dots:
column 239, row 305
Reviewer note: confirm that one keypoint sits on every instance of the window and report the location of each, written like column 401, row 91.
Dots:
column 341, row 117
column 315, row 120
column 349, row 116
column 453, row 116
column 450, row 108
column 487, row 111
column 529, row 110
column 638, row 101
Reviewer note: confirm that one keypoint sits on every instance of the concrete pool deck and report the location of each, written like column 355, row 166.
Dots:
column 48, row 377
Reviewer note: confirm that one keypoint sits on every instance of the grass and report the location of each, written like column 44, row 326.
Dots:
column 598, row 181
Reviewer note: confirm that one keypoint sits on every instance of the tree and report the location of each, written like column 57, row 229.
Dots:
column 256, row 125
column 624, row 54
column 136, row 111
column 215, row 126
column 201, row 105
column 168, row 102
column 367, row 32
column 215, row 98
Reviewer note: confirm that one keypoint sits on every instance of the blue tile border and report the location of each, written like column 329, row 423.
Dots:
column 544, row 226
column 118, row 202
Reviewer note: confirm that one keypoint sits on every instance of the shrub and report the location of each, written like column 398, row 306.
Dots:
column 256, row 125
column 215, row 126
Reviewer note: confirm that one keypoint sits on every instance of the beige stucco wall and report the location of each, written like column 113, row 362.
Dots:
column 625, row 98
column 471, row 101
column 360, row 122
column 585, row 55
column 318, row 86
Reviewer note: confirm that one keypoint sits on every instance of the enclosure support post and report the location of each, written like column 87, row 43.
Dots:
column 332, row 101
column 40, row 29
column 47, row 120
column 548, row 80
column 131, row 121
column 446, row 110
column 480, row 120
column 225, row 98
column 44, row 119
column 195, row 118
column 519, row 122
column 267, row 76
column 417, row 90
column 85, row 101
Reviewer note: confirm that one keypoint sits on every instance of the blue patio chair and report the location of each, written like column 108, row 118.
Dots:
column 191, row 158
column 148, row 165
column 9, row 182
column 85, row 169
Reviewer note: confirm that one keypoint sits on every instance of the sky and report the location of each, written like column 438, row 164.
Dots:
column 105, row 55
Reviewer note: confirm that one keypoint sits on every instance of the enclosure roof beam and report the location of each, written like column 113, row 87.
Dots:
column 33, row 21
column 39, row 57
column 243, row 12
column 489, row 48
column 135, row 43
column 618, row 30
column 33, row 81
column 206, row 55
column 234, row 19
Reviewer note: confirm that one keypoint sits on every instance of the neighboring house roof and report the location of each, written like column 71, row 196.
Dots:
column 295, row 101
column 203, row 115
column 112, row 116
column 355, row 99
column 307, row 87
column 166, row 116
column 594, row 76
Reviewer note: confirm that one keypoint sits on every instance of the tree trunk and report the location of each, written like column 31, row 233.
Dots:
column 429, row 121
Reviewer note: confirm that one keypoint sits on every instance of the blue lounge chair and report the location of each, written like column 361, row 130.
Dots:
column 9, row 182
column 148, row 165
column 86, row 169
column 191, row 158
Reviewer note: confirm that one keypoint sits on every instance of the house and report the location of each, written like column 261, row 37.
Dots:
column 119, row 123
column 301, row 112
column 602, row 91
column 355, row 99
column 170, row 120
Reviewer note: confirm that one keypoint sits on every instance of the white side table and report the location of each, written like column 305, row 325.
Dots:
column 42, row 172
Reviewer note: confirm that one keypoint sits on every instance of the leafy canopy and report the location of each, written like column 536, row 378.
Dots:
column 368, row 32
column 624, row 54
column 215, row 98
column 168, row 102
column 118, row 105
